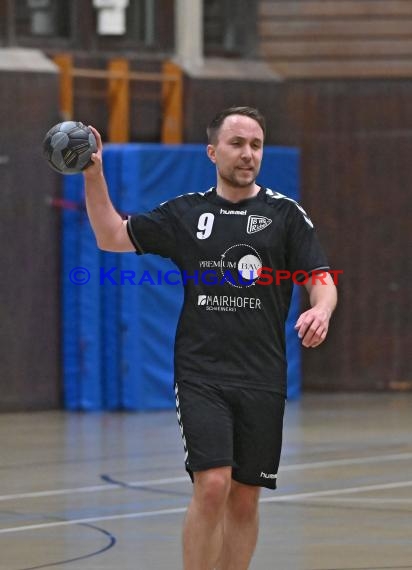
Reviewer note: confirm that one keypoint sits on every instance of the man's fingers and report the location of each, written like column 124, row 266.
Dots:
column 303, row 326
column 314, row 336
column 311, row 329
column 97, row 137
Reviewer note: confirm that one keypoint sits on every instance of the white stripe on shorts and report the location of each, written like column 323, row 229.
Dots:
column 179, row 419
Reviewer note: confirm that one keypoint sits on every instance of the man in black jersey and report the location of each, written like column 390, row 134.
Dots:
column 235, row 246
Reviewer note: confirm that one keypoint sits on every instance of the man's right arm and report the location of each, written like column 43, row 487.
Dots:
column 108, row 226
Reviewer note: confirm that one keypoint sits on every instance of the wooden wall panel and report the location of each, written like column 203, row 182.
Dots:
column 3, row 24
column 30, row 374
column 339, row 28
column 203, row 98
column 356, row 143
column 336, row 38
column 334, row 8
column 363, row 211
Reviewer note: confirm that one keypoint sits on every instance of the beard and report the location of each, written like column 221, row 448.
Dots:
column 238, row 178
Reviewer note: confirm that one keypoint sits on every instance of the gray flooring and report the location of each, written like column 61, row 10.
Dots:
column 108, row 491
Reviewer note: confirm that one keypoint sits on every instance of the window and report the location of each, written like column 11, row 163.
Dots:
column 149, row 27
column 72, row 24
column 230, row 27
column 42, row 18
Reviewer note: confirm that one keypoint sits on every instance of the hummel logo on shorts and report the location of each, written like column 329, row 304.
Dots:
column 268, row 475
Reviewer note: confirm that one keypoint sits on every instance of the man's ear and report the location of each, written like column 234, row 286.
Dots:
column 211, row 153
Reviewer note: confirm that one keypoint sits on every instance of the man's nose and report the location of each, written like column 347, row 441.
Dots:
column 246, row 152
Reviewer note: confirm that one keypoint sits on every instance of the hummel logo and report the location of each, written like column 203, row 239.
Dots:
column 268, row 475
column 257, row 223
column 233, row 212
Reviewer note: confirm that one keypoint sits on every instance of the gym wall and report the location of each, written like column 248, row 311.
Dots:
column 29, row 285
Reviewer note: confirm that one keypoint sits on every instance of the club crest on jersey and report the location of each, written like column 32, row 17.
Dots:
column 257, row 224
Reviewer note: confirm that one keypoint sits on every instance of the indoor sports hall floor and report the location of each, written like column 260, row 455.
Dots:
column 107, row 491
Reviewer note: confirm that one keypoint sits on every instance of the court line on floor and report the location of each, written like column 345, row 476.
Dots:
column 367, row 500
column 178, row 510
column 331, row 492
column 342, row 462
column 171, row 480
column 111, row 543
column 91, row 489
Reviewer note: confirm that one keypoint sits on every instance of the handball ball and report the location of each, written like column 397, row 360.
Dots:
column 68, row 147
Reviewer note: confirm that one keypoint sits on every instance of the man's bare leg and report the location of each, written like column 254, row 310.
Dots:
column 241, row 524
column 203, row 527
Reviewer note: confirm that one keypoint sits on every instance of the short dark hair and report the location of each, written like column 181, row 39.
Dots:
column 214, row 126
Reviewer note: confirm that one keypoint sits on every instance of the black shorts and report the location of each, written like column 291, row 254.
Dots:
column 231, row 426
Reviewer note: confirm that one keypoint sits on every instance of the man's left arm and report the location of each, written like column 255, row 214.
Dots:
column 312, row 325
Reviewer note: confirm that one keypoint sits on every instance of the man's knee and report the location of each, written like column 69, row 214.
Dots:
column 212, row 486
column 244, row 501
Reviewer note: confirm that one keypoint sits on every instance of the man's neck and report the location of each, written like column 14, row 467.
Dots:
column 237, row 194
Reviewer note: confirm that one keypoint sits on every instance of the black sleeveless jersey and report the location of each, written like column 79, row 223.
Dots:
column 234, row 260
